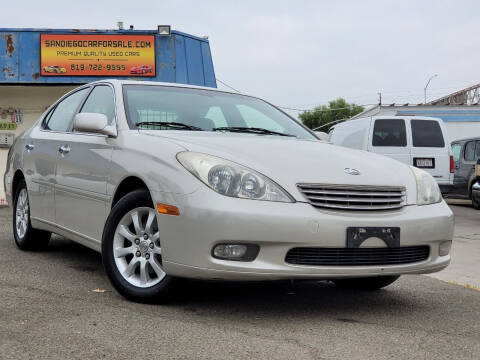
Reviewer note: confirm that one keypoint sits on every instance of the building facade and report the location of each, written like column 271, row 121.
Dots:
column 37, row 66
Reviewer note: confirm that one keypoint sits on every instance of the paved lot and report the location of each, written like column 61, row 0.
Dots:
column 465, row 266
column 48, row 310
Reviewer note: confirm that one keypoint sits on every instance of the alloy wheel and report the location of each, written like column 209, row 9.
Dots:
column 22, row 213
column 136, row 248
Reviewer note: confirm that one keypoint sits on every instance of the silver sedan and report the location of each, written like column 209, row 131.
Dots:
column 171, row 181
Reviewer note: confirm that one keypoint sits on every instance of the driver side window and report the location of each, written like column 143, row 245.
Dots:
column 101, row 101
column 61, row 116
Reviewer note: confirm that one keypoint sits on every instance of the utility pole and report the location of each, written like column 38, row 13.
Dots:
column 379, row 98
column 426, row 86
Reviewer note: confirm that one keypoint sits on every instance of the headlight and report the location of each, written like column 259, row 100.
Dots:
column 428, row 191
column 231, row 179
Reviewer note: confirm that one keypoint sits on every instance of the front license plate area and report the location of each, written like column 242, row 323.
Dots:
column 426, row 163
column 357, row 235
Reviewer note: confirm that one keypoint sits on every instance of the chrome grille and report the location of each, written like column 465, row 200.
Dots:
column 354, row 197
column 313, row 256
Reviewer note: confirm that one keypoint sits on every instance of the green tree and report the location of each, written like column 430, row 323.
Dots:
column 336, row 110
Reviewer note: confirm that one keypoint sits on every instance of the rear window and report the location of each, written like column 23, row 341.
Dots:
column 389, row 133
column 427, row 133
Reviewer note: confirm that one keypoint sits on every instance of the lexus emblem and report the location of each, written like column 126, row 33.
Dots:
column 351, row 171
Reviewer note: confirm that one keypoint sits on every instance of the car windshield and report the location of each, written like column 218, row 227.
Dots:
column 154, row 107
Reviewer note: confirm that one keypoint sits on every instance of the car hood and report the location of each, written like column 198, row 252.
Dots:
column 290, row 161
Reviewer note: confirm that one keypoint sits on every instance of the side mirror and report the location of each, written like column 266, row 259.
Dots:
column 93, row 123
column 323, row 136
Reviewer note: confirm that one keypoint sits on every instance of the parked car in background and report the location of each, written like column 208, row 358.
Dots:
column 142, row 69
column 476, row 187
column 465, row 155
column 229, row 188
column 419, row 141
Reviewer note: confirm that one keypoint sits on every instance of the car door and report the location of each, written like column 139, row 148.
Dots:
column 40, row 156
column 465, row 168
column 82, row 171
column 429, row 150
column 457, row 154
column 390, row 138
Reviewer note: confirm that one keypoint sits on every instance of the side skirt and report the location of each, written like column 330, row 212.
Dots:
column 69, row 234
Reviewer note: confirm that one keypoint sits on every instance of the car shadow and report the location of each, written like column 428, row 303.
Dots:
column 259, row 298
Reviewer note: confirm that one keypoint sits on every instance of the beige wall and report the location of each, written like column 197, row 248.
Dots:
column 32, row 101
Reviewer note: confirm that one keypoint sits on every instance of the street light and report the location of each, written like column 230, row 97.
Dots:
column 426, row 86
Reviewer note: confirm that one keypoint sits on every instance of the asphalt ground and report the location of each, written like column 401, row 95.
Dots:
column 465, row 266
column 58, row 304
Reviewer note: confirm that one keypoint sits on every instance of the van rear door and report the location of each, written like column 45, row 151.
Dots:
column 390, row 138
column 430, row 148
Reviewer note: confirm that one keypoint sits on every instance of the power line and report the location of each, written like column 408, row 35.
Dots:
column 230, row 87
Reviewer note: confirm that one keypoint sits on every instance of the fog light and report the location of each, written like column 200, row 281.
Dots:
column 236, row 252
column 444, row 248
column 229, row 251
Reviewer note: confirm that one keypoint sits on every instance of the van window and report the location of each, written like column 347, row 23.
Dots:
column 456, row 148
column 470, row 151
column 389, row 133
column 427, row 133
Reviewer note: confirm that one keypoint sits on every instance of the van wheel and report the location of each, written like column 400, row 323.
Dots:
column 132, row 251
column 368, row 283
column 26, row 237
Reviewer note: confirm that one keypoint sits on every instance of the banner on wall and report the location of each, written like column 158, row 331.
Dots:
column 97, row 55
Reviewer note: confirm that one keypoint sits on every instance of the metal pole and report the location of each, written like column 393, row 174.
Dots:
column 426, row 86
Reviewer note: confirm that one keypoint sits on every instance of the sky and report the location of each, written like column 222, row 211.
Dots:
column 301, row 54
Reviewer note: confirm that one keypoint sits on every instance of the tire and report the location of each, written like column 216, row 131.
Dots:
column 475, row 202
column 135, row 267
column 368, row 283
column 26, row 237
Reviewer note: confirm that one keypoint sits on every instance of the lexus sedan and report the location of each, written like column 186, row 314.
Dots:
column 170, row 181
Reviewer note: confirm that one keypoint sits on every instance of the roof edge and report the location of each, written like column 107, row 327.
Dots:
column 100, row 31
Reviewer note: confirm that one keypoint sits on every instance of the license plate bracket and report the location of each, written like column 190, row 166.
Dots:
column 357, row 235
column 424, row 163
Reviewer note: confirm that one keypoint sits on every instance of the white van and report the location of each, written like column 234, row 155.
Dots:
column 414, row 140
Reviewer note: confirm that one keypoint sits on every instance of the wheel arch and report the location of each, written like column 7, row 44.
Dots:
column 17, row 178
column 127, row 185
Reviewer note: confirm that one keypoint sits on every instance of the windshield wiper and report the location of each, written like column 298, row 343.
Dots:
column 253, row 130
column 172, row 125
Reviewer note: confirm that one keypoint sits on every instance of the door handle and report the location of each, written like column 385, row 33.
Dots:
column 64, row 149
column 29, row 147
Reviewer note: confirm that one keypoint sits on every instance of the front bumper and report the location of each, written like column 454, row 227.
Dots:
column 207, row 219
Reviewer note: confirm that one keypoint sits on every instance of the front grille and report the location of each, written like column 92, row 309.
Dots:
column 316, row 256
column 354, row 197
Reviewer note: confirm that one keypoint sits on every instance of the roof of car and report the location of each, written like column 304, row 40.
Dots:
column 466, row 139
column 158, row 83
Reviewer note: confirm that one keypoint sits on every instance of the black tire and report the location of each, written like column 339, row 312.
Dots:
column 475, row 202
column 158, row 293
column 368, row 283
column 32, row 239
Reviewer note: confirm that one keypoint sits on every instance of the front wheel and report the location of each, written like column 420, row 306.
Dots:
column 368, row 283
column 26, row 237
column 132, row 251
